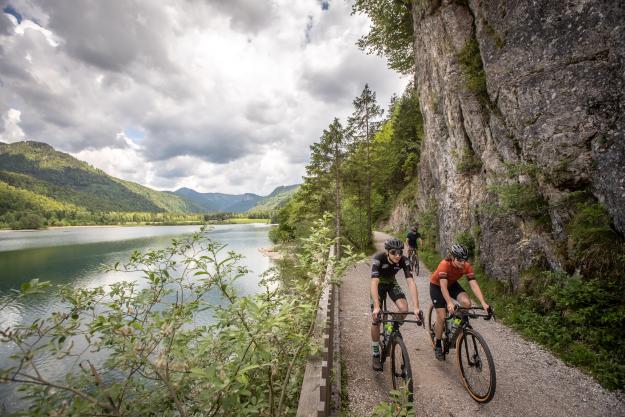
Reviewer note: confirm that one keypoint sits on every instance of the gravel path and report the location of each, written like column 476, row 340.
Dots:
column 530, row 380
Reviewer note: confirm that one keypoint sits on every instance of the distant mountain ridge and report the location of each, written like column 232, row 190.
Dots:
column 33, row 169
column 235, row 203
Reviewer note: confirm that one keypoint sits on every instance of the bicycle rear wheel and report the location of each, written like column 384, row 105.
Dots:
column 401, row 372
column 414, row 261
column 477, row 368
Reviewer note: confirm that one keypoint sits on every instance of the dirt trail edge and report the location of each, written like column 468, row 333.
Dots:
column 530, row 380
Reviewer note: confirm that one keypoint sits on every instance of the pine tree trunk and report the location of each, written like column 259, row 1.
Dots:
column 337, row 209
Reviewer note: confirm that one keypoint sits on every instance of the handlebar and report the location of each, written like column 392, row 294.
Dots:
column 471, row 313
column 419, row 322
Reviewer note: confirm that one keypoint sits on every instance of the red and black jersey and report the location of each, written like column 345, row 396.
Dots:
column 447, row 270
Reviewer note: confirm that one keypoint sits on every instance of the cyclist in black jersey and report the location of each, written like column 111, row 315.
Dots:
column 384, row 266
column 413, row 238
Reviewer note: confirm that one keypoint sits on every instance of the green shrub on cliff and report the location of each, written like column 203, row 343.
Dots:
column 473, row 69
column 594, row 246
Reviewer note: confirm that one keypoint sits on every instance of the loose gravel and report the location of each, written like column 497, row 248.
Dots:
column 530, row 380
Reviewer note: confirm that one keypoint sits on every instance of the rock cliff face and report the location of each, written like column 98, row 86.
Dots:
column 522, row 98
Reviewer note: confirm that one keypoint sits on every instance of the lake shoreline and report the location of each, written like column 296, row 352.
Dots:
column 260, row 221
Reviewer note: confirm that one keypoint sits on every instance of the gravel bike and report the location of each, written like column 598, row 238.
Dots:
column 392, row 344
column 477, row 368
column 414, row 261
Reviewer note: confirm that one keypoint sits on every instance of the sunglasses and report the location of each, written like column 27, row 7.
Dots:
column 461, row 260
column 396, row 252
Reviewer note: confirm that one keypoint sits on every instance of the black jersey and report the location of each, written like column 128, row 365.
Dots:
column 382, row 268
column 412, row 238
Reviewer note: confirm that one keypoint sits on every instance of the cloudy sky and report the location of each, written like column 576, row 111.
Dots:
column 214, row 95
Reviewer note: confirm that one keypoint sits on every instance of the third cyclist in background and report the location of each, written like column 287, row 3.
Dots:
column 413, row 242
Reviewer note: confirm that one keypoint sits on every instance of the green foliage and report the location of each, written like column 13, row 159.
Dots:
column 580, row 320
column 466, row 239
column 248, row 361
column 355, row 222
column 391, row 33
column 520, row 199
column 469, row 163
column 398, row 407
column 429, row 225
column 32, row 287
column 472, row 67
column 269, row 205
column 594, row 247
column 381, row 160
column 30, row 221
column 36, row 179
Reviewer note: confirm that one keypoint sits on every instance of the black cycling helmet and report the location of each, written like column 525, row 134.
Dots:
column 393, row 243
column 459, row 251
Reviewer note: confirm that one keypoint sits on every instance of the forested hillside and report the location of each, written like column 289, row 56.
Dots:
column 40, row 186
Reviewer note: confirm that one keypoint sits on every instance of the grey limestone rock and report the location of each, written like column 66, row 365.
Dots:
column 554, row 95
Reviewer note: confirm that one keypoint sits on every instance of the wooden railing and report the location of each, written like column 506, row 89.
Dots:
column 320, row 394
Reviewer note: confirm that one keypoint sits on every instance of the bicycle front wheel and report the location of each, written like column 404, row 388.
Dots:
column 400, row 367
column 415, row 264
column 431, row 322
column 477, row 368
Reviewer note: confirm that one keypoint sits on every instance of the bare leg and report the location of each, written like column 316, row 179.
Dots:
column 440, row 318
column 402, row 307
column 464, row 300
column 375, row 332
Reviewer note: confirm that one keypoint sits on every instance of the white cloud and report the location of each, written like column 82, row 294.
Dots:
column 12, row 130
column 229, row 95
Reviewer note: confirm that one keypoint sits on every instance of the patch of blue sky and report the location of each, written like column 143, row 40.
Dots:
column 10, row 10
column 135, row 134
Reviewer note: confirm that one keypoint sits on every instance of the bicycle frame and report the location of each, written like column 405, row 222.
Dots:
column 392, row 344
column 387, row 338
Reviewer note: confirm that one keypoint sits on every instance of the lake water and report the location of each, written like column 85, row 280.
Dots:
column 74, row 256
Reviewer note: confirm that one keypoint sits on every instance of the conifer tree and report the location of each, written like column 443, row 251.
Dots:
column 362, row 126
column 325, row 167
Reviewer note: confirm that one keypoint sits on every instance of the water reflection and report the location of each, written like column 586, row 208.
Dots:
column 75, row 257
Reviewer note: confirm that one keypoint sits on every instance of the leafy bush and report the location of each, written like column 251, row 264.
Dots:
column 247, row 362
column 594, row 246
column 471, row 64
column 466, row 239
column 469, row 163
column 29, row 221
column 580, row 320
column 520, row 199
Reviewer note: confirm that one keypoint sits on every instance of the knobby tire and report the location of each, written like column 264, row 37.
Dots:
column 401, row 372
column 473, row 354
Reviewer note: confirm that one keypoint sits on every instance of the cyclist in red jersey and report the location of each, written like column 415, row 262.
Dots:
column 444, row 288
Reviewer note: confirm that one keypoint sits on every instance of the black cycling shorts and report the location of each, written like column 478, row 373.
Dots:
column 393, row 290
column 437, row 295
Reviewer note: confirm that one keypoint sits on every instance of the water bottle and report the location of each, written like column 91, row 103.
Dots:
column 452, row 325
column 388, row 327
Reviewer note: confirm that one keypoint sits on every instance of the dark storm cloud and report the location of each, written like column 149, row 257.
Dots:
column 246, row 16
column 111, row 35
column 211, row 143
column 344, row 80
column 9, row 69
column 5, row 23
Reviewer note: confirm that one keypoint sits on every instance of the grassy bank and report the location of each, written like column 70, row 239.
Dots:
column 580, row 321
